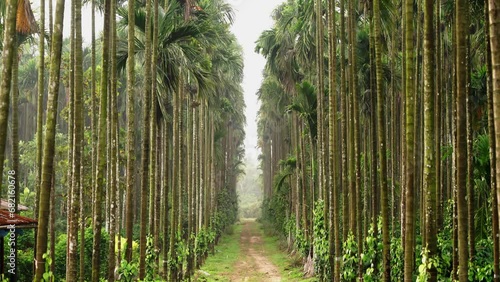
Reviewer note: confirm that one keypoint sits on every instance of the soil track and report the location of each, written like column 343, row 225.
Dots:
column 253, row 264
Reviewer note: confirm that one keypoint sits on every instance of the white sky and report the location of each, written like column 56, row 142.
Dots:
column 252, row 17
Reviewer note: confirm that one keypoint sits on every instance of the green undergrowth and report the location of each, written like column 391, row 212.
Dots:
column 221, row 265
column 290, row 266
column 217, row 267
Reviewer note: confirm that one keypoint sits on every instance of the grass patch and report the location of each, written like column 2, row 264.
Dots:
column 217, row 267
column 290, row 266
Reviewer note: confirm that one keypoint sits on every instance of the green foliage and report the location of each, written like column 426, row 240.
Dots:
column 25, row 244
column 371, row 258
column 274, row 209
column 128, row 271
column 350, row 259
column 227, row 212
column 303, row 246
column 320, row 244
column 60, row 254
column 202, row 242
column 151, row 256
column 397, row 259
column 181, row 251
column 481, row 268
column 47, row 275
column 482, row 190
column 426, row 264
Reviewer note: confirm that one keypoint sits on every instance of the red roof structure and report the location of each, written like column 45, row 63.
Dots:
column 7, row 219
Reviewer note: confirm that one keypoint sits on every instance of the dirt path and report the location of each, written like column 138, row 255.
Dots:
column 253, row 264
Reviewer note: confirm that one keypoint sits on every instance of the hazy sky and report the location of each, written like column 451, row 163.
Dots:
column 252, row 17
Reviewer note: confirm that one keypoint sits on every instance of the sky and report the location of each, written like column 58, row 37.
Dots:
column 252, row 17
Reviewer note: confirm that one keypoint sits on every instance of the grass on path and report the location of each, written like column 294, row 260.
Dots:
column 221, row 266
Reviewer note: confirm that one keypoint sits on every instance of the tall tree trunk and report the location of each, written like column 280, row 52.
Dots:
column 70, row 92
column 101, row 149
column 384, row 201
column 145, row 145
column 93, row 102
column 492, row 136
column 166, row 187
column 39, row 112
column 174, row 270
column 320, row 99
column 113, row 165
column 430, row 166
column 49, row 143
column 494, row 21
column 130, row 130
column 409, row 242
column 8, row 52
column 155, row 136
column 334, row 150
column 15, row 139
column 74, row 207
column 461, row 59
column 343, row 121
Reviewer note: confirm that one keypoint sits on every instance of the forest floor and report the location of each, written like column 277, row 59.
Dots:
column 248, row 254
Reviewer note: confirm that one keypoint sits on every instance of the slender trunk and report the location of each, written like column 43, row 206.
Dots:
column 52, row 222
column 8, row 52
column 166, row 187
column 492, row 136
column 113, row 165
column 101, row 149
column 494, row 36
column 70, row 94
column 430, row 188
column 320, row 99
column 409, row 150
column 155, row 136
column 461, row 148
column 129, row 216
column 145, row 185
column 15, row 139
column 49, row 144
column 74, row 207
column 93, row 110
column 39, row 116
column 384, row 202
column 332, row 195
column 174, row 270
column 343, row 121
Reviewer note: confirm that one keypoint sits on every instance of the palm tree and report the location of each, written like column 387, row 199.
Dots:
column 429, row 134
column 114, row 165
column 15, row 126
column 41, row 89
column 129, row 217
column 333, row 221
column 494, row 20
column 77, row 144
column 409, row 228
column 101, row 145
column 492, row 137
column 461, row 100
column 49, row 143
column 145, row 142
column 7, row 61
column 320, row 99
column 384, row 202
